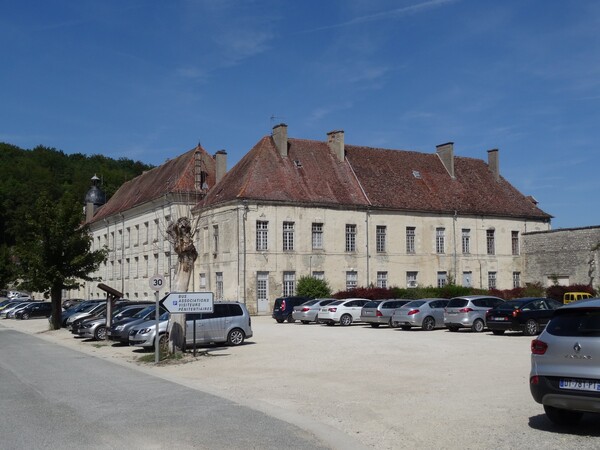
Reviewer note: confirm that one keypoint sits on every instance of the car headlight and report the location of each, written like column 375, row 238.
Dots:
column 119, row 328
column 145, row 330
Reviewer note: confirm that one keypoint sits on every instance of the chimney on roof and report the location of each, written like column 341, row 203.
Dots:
column 446, row 154
column 221, row 164
column 280, row 138
column 493, row 163
column 335, row 141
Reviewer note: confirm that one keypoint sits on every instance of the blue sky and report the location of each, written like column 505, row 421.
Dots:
column 148, row 80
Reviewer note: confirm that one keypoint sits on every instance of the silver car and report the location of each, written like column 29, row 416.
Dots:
column 228, row 323
column 469, row 312
column 379, row 312
column 309, row 311
column 565, row 363
column 427, row 313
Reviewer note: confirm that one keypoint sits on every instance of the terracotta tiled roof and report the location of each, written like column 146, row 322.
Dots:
column 379, row 178
column 174, row 176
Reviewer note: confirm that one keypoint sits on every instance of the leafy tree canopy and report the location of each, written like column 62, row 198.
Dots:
column 53, row 249
column 26, row 175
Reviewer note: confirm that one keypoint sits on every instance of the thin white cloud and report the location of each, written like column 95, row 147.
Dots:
column 386, row 15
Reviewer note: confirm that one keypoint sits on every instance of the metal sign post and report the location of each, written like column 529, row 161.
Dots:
column 156, row 283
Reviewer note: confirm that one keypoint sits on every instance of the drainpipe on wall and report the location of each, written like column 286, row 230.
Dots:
column 454, row 234
column 122, row 251
column 368, row 255
column 245, row 202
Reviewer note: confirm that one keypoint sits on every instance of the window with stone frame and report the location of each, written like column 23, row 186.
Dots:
column 350, row 237
column 262, row 235
column 380, row 238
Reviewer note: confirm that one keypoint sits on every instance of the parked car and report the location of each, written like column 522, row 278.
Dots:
column 529, row 315
column 565, row 363
column 20, row 296
column 76, row 309
column 343, row 312
column 35, row 309
column 469, row 312
column 95, row 328
column 284, row 306
column 309, row 311
column 9, row 303
column 119, row 331
column 427, row 313
column 143, row 334
column 378, row 312
column 229, row 323
column 91, row 310
column 569, row 297
column 66, row 304
column 6, row 312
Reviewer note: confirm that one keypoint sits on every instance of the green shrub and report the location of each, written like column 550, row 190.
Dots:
column 312, row 287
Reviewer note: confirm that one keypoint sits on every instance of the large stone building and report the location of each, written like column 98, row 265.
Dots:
column 355, row 216
column 358, row 216
column 132, row 224
column 566, row 256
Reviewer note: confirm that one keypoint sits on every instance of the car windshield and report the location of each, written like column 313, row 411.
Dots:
column 512, row 304
column 337, row 302
column 576, row 323
column 458, row 303
column 414, row 304
column 372, row 304
column 309, row 303
column 144, row 312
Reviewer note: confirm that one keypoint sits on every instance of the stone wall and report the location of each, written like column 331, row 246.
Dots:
column 570, row 256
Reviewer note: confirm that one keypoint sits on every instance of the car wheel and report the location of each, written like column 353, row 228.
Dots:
column 305, row 322
column 375, row 325
column 562, row 417
column 345, row 320
column 405, row 327
column 428, row 323
column 236, row 337
column 453, row 329
column 25, row 316
column 478, row 326
column 100, row 333
column 279, row 320
column 163, row 342
column 531, row 328
column 498, row 332
column 391, row 324
column 290, row 319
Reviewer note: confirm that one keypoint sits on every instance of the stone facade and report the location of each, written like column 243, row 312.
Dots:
column 254, row 252
column 567, row 256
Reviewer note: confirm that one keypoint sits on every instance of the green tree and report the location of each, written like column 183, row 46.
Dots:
column 54, row 250
column 311, row 287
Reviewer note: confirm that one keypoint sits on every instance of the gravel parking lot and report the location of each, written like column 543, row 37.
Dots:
column 361, row 387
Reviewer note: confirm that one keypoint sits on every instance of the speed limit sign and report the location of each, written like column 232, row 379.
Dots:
column 157, row 282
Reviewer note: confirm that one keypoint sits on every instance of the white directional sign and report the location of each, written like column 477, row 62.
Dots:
column 189, row 302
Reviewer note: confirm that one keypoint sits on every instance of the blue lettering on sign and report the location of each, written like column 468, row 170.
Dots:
column 174, row 302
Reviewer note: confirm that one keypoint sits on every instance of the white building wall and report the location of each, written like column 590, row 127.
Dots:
column 138, row 249
column 237, row 248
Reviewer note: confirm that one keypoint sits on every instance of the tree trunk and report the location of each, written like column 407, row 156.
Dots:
column 56, row 300
column 180, row 234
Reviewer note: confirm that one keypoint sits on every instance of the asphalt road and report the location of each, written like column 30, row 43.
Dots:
column 54, row 397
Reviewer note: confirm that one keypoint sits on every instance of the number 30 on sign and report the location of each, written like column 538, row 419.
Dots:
column 157, row 282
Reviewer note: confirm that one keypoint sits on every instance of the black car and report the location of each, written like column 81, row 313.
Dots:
column 284, row 307
column 529, row 315
column 36, row 309
column 79, row 307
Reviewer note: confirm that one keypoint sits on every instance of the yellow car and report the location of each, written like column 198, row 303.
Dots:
column 574, row 296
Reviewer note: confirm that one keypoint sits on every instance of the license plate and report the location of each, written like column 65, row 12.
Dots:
column 499, row 318
column 579, row 385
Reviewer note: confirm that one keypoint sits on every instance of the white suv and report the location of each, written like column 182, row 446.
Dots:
column 565, row 363
column 343, row 311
